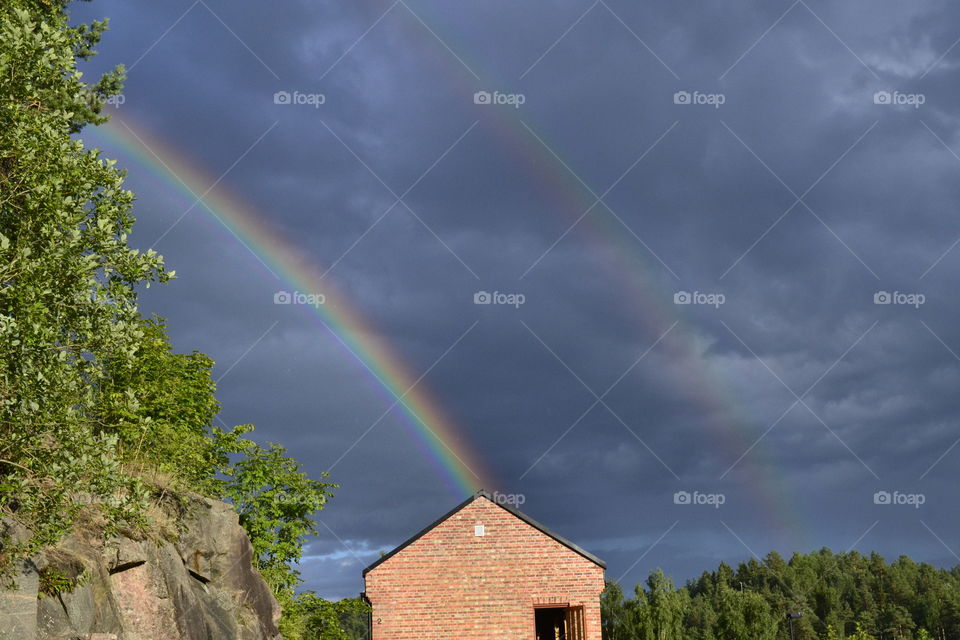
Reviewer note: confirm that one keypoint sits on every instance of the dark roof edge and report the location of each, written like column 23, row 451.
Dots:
column 522, row 516
column 419, row 534
column 536, row 525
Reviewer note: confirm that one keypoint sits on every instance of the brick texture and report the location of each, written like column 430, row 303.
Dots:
column 453, row 585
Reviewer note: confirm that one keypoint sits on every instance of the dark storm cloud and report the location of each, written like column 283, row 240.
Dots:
column 798, row 198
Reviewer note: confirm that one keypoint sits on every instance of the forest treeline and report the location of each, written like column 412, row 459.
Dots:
column 831, row 596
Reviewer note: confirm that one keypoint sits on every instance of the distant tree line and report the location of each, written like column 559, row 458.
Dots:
column 846, row 595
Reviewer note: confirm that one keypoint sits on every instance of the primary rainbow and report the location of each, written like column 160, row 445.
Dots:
column 433, row 430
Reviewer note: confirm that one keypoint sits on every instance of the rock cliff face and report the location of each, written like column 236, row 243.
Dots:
column 200, row 587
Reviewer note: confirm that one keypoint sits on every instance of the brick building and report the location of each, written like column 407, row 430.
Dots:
column 485, row 571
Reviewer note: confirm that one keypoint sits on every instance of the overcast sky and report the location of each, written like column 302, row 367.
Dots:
column 727, row 229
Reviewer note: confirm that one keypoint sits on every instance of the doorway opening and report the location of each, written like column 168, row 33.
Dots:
column 559, row 623
column 551, row 623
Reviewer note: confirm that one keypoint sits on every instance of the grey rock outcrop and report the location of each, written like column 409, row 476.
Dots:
column 200, row 587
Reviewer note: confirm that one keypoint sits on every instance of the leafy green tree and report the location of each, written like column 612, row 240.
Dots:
column 613, row 612
column 161, row 406
column 638, row 625
column 744, row 615
column 658, row 611
column 67, row 280
column 313, row 618
column 95, row 407
column 701, row 619
column 275, row 500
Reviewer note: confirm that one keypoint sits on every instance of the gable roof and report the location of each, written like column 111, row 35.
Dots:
column 522, row 516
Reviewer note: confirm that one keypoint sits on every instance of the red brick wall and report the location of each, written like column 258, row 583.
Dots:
column 452, row 585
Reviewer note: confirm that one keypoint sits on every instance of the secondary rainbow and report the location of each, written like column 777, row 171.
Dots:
column 647, row 294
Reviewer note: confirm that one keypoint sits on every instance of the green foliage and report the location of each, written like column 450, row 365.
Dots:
column 54, row 581
column 658, row 610
column 275, row 500
column 744, row 615
column 96, row 410
column 840, row 595
column 310, row 617
column 161, row 404
column 613, row 612
column 67, row 280
column 861, row 633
